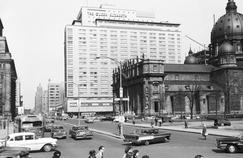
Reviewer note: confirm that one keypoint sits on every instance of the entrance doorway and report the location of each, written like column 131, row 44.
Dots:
column 156, row 106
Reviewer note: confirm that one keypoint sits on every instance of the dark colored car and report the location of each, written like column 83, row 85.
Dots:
column 230, row 144
column 48, row 127
column 58, row 131
column 222, row 122
column 80, row 132
column 14, row 152
column 108, row 118
column 147, row 136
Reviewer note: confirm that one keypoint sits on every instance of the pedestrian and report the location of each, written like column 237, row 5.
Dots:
column 56, row 154
column 100, row 153
column 204, row 131
column 152, row 122
column 133, row 120
column 156, row 121
column 160, row 122
column 145, row 156
column 128, row 152
column 135, row 153
column 119, row 128
column 92, row 154
column 186, row 123
column 199, row 156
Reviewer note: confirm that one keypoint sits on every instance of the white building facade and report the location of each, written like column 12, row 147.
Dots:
column 115, row 34
column 55, row 96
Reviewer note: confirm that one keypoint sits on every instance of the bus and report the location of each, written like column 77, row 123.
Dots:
column 29, row 123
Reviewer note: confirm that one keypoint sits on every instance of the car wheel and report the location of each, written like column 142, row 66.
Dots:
column 146, row 142
column 47, row 147
column 231, row 148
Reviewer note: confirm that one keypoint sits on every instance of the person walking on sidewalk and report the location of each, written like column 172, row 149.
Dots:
column 156, row 120
column 186, row 123
column 100, row 153
column 204, row 131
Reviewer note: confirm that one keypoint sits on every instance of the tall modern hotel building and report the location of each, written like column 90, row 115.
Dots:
column 113, row 35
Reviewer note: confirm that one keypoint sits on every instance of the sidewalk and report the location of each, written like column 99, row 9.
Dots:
column 194, row 127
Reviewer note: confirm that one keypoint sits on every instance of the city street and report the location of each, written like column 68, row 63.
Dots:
column 184, row 144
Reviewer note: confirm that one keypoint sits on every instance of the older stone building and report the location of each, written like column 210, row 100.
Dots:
column 209, row 82
column 8, row 78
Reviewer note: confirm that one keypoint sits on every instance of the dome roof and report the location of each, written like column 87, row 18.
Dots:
column 226, row 48
column 230, row 25
column 190, row 59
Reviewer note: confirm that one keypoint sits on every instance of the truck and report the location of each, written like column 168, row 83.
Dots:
column 146, row 136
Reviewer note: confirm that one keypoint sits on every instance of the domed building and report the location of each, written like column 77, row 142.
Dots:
column 230, row 27
column 210, row 82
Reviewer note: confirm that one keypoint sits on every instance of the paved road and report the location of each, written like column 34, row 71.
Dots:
column 184, row 145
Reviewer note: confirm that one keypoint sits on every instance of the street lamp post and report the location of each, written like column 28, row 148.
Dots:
column 120, row 80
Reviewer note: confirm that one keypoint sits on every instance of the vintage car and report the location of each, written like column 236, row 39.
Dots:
column 58, row 131
column 48, row 127
column 14, row 152
column 222, row 122
column 230, row 144
column 146, row 136
column 107, row 118
column 89, row 120
column 29, row 140
column 80, row 132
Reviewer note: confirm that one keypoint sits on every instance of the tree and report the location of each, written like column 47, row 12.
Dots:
column 193, row 90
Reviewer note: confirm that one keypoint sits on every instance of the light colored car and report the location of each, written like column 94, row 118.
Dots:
column 89, row 120
column 29, row 140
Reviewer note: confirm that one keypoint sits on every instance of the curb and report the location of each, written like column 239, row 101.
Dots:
column 179, row 130
column 105, row 133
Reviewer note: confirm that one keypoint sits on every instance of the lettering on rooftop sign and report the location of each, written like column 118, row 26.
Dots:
column 106, row 15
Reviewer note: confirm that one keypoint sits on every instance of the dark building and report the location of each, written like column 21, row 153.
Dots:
column 8, row 79
column 209, row 82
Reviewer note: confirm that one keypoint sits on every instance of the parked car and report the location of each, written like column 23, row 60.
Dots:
column 14, row 152
column 29, row 140
column 89, row 120
column 222, row 122
column 230, row 144
column 58, row 131
column 146, row 136
column 108, row 118
column 80, row 132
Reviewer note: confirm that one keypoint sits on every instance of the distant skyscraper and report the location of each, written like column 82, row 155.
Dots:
column 45, row 107
column 38, row 100
column 117, row 34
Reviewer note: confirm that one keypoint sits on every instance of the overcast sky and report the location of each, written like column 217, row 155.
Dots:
column 35, row 31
